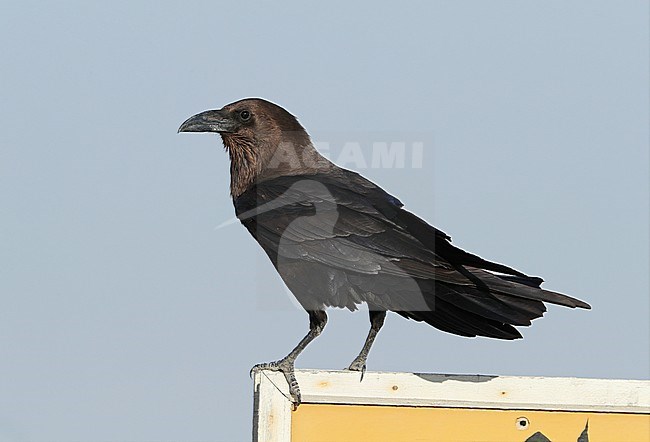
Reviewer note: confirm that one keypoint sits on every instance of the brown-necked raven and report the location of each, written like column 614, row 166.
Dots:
column 339, row 240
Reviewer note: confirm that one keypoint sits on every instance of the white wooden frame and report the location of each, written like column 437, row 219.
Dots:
column 272, row 408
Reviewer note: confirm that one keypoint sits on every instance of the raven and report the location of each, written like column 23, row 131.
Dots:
column 339, row 240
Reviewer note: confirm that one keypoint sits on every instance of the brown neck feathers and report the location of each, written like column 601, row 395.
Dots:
column 252, row 161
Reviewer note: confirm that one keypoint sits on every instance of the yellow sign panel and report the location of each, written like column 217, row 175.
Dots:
column 332, row 423
column 340, row 406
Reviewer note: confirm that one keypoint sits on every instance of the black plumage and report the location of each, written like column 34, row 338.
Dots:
column 339, row 240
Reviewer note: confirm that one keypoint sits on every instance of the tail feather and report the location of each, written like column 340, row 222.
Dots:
column 472, row 311
column 504, row 286
column 485, row 305
column 453, row 319
column 509, row 281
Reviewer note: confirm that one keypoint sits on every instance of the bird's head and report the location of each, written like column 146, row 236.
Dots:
column 262, row 139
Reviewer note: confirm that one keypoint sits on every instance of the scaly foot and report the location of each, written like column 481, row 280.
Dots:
column 358, row 365
column 286, row 367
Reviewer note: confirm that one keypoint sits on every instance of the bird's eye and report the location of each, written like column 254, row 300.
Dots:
column 245, row 115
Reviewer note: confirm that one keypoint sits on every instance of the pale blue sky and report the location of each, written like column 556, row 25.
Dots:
column 124, row 314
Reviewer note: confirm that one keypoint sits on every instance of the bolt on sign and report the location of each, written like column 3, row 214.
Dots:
column 395, row 407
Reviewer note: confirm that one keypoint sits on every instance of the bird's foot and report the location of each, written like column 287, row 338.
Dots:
column 358, row 365
column 286, row 367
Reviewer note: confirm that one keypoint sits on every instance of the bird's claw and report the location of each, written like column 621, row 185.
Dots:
column 286, row 367
column 358, row 365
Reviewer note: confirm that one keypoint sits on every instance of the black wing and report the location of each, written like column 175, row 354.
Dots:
column 341, row 240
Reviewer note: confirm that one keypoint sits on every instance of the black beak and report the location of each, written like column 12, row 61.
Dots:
column 209, row 121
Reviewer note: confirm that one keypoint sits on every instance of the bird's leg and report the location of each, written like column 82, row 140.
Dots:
column 317, row 321
column 376, row 321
